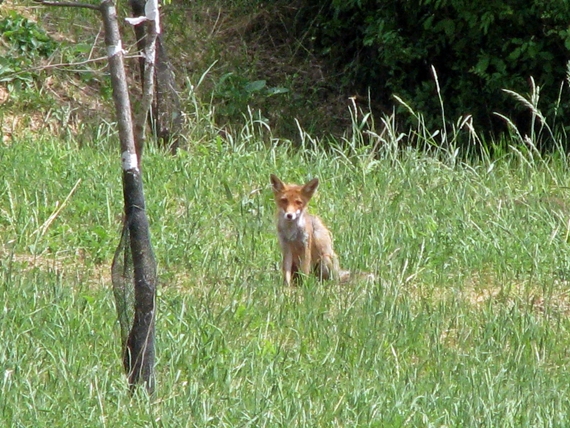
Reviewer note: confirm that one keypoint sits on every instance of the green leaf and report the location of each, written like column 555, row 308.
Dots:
column 515, row 54
column 482, row 64
column 256, row 86
column 276, row 91
column 447, row 26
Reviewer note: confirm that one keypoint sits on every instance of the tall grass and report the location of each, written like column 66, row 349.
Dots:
column 466, row 324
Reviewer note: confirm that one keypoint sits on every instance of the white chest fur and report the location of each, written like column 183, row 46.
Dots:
column 292, row 230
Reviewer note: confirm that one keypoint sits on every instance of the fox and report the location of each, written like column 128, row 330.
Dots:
column 306, row 243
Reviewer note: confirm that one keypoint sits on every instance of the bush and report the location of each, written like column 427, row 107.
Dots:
column 477, row 47
column 22, row 41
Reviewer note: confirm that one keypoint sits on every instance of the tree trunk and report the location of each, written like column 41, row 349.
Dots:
column 139, row 355
column 166, row 115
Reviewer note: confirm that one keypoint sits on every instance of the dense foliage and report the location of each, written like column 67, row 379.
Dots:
column 21, row 41
column 477, row 48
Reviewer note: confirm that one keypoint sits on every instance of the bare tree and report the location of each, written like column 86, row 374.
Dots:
column 166, row 113
column 134, row 265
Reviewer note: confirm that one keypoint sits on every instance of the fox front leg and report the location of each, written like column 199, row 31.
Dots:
column 306, row 261
column 287, row 267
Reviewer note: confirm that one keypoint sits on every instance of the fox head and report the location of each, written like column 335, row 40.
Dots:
column 291, row 199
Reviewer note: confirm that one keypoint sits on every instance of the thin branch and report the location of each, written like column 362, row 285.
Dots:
column 148, row 86
column 44, row 227
column 67, row 64
column 68, row 4
column 94, row 43
column 87, row 61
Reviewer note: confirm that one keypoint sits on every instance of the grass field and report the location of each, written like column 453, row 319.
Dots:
column 466, row 324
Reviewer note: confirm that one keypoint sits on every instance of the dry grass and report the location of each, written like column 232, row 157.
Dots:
column 73, row 267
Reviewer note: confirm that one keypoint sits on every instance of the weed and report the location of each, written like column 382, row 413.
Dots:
column 25, row 36
column 25, row 41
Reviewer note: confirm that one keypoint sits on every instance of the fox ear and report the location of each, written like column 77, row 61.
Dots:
column 310, row 187
column 277, row 184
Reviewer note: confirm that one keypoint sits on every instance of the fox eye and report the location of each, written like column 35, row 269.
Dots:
column 299, row 202
column 283, row 200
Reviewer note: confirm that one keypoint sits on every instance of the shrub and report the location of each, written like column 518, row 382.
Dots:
column 23, row 41
column 477, row 47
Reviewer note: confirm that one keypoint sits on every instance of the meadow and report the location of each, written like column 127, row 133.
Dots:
column 466, row 323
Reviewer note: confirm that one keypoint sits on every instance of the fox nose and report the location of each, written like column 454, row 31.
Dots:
column 289, row 216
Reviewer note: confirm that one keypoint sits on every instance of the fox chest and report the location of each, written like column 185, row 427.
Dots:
column 291, row 233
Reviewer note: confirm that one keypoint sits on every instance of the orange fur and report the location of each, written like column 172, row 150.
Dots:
column 305, row 241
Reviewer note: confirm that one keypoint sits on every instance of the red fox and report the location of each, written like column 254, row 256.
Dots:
column 306, row 243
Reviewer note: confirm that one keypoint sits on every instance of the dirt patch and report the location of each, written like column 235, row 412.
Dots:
column 486, row 289
column 478, row 297
column 4, row 94
column 71, row 267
